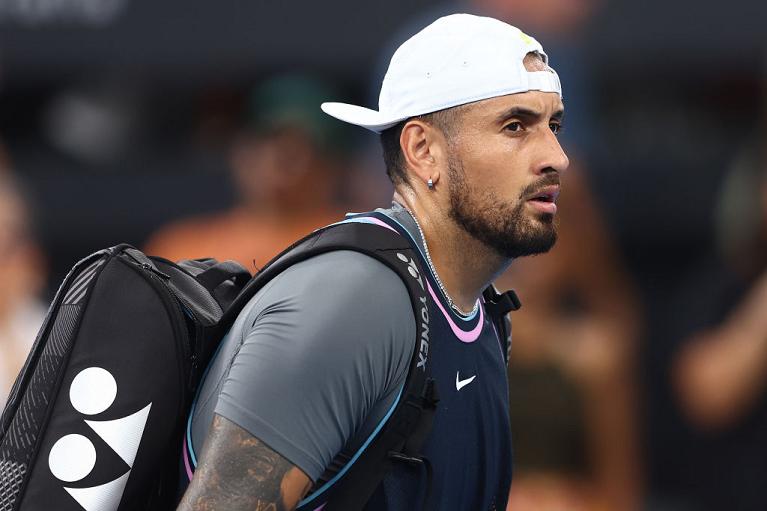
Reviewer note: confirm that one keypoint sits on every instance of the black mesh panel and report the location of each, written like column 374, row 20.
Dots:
column 11, row 477
column 17, row 446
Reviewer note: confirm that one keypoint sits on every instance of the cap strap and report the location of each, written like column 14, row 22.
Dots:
column 544, row 81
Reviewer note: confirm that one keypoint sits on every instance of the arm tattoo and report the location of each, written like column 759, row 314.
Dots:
column 239, row 472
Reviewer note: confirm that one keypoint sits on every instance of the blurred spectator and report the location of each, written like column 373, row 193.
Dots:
column 286, row 174
column 22, row 276
column 720, row 368
column 660, row 171
column 572, row 377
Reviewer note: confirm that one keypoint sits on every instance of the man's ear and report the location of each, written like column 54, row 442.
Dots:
column 423, row 149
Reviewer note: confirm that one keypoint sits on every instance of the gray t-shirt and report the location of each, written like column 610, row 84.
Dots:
column 314, row 361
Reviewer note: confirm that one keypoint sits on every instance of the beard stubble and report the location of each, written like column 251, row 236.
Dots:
column 504, row 227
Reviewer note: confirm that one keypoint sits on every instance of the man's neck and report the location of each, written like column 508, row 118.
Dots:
column 465, row 265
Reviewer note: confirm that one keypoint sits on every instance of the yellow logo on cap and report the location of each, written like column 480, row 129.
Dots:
column 525, row 38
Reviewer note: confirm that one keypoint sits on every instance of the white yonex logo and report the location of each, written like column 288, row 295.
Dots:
column 459, row 383
column 73, row 457
column 423, row 351
column 411, row 267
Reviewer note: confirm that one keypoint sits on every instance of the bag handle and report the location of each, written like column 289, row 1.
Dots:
column 222, row 272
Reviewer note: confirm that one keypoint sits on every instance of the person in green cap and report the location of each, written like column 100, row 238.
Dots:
column 285, row 170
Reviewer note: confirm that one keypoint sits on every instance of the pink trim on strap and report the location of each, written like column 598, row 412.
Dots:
column 376, row 221
column 321, row 507
column 463, row 336
column 466, row 337
column 189, row 472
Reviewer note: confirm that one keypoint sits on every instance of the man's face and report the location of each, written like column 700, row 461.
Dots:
column 504, row 167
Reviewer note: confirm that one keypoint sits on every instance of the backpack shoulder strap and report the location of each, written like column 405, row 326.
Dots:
column 401, row 437
column 498, row 305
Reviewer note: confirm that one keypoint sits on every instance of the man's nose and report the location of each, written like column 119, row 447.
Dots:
column 553, row 157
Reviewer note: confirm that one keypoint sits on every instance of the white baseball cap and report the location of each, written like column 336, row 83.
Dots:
column 458, row 59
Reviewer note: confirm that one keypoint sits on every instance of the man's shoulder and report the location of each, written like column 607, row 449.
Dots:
column 341, row 283
column 345, row 270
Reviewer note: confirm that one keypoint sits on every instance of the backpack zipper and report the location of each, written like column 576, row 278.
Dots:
column 190, row 349
column 158, row 280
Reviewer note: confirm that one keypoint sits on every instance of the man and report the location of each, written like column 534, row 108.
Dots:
column 285, row 170
column 469, row 112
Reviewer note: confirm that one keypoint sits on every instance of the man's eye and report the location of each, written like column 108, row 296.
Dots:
column 555, row 127
column 514, row 126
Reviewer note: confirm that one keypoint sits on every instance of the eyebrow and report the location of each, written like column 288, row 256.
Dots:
column 529, row 114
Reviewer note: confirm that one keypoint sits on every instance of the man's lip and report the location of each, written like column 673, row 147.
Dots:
column 549, row 192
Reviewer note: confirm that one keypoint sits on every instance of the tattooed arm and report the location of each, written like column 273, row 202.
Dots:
column 239, row 472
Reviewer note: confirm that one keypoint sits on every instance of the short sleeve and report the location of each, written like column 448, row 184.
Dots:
column 322, row 347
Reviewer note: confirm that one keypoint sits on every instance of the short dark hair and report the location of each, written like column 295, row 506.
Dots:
column 444, row 120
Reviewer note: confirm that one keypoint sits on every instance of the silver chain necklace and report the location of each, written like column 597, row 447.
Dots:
column 434, row 271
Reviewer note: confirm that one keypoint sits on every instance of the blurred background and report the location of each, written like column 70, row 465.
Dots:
column 639, row 363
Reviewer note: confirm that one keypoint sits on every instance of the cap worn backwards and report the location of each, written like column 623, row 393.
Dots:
column 458, row 59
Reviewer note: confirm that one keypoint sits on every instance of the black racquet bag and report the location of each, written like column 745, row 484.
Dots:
column 95, row 419
column 107, row 384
